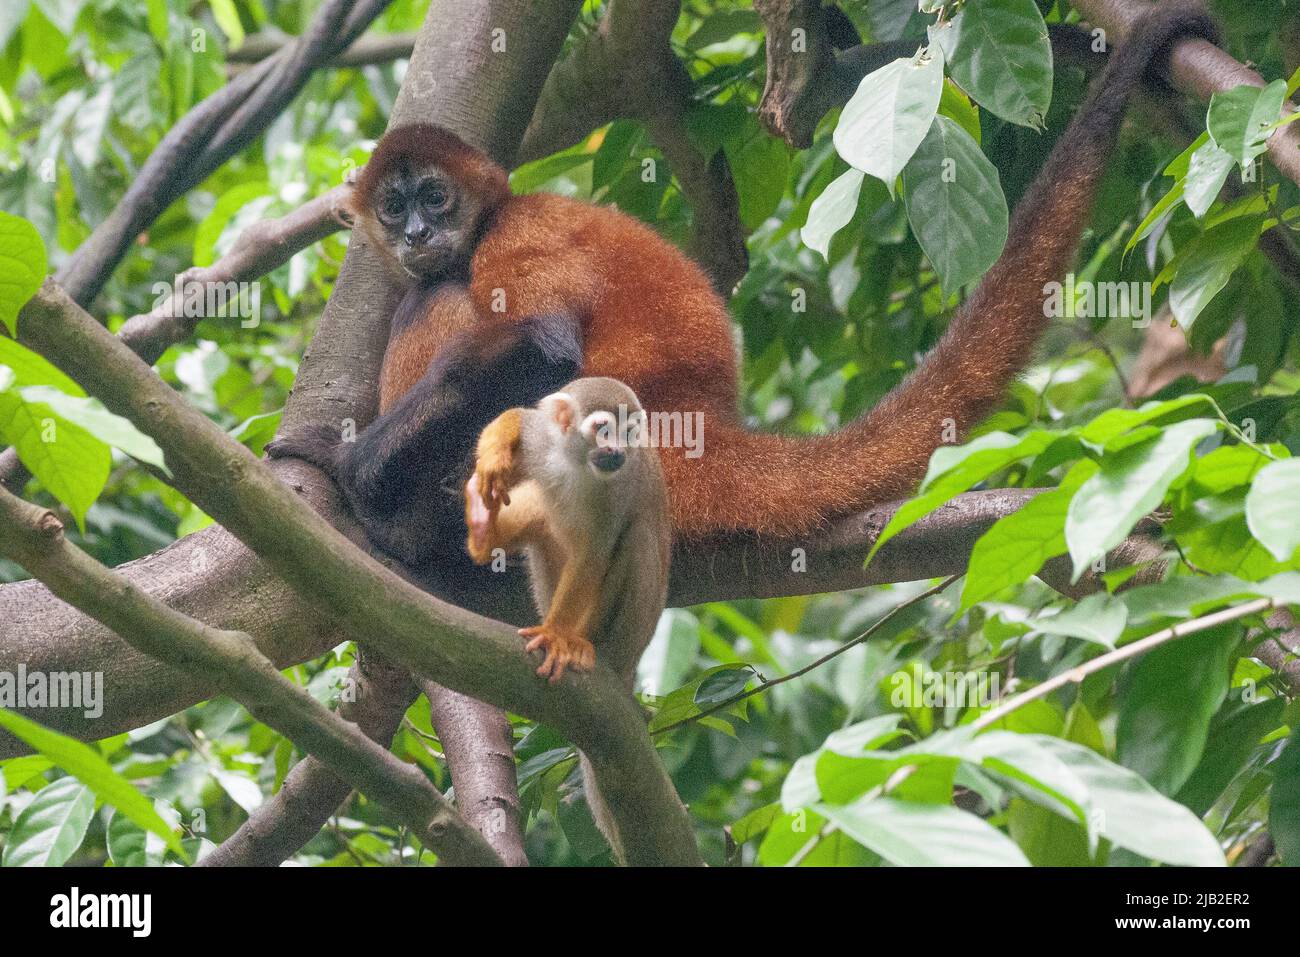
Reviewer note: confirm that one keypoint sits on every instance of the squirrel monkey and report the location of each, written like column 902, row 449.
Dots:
column 571, row 483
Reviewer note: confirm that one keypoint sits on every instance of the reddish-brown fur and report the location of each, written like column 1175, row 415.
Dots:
column 650, row 318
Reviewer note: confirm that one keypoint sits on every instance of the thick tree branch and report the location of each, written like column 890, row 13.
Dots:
column 33, row 536
column 470, row 654
column 479, row 746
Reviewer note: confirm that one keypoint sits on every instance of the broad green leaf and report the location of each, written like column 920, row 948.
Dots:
column 1129, row 484
column 955, row 204
column 1163, row 205
column 62, row 13
column 889, row 115
column 1017, row 545
column 959, row 108
column 1208, row 264
column 954, row 469
column 831, row 211
column 1115, row 422
column 1134, row 815
column 71, row 463
column 1284, row 802
column 50, row 829
column 1165, row 709
column 760, row 165
column 1206, row 174
column 722, row 685
column 1227, row 467
column 89, row 767
column 1273, row 508
column 22, row 267
column 789, row 834
column 227, row 17
column 1188, row 596
column 1239, row 119
column 31, row 368
column 1099, row 618
column 157, row 11
column 999, row 53
column 908, row 834
column 106, row 426
column 18, row 771
column 1234, row 735
column 754, row 823
column 1035, row 772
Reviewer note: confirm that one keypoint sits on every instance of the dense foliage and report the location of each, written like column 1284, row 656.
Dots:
column 860, row 249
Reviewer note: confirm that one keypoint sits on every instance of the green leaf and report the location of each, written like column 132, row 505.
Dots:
column 1273, row 508
column 1208, row 264
column 1165, row 709
column 1115, row 422
column 722, row 685
column 760, row 166
column 955, row 204
column 71, row 463
column 1163, row 205
column 1234, row 735
column 1206, row 174
column 890, row 114
column 1133, row 815
column 954, row 469
column 1284, row 802
column 1099, row 618
column 1129, row 484
column 959, row 108
column 87, row 766
column 831, row 211
column 50, row 829
column 106, row 426
column 998, row 52
column 908, row 834
column 1239, row 119
column 157, row 12
column 1017, row 545
column 22, row 267
column 227, row 17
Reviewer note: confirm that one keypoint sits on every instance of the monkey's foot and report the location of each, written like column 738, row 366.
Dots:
column 563, row 650
column 481, row 523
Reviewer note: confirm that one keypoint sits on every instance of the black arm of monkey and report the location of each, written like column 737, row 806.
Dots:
column 401, row 476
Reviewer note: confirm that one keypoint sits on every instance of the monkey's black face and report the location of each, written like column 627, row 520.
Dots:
column 429, row 226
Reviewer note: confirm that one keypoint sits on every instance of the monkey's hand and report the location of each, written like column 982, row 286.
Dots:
column 495, row 469
column 563, row 650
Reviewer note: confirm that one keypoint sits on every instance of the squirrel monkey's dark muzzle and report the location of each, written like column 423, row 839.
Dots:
column 606, row 460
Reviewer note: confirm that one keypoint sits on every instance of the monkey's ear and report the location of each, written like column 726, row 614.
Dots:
column 561, row 408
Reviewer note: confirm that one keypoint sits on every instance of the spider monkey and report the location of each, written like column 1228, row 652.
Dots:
column 509, row 297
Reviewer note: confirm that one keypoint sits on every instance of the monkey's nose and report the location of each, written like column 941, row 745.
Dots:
column 607, row 459
column 417, row 235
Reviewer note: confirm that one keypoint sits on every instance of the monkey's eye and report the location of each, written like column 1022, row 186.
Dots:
column 394, row 206
column 435, row 197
